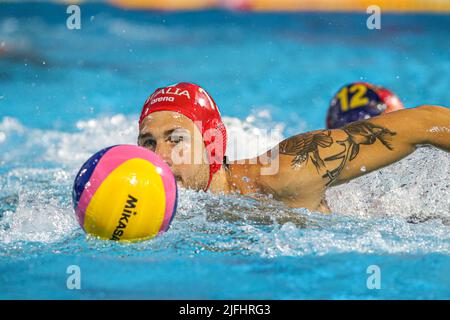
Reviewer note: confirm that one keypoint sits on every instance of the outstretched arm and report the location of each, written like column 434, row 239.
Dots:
column 318, row 159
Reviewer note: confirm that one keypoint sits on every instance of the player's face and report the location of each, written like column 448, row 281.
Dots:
column 178, row 141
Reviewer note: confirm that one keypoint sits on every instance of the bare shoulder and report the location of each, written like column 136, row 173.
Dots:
column 299, row 169
column 310, row 162
column 284, row 173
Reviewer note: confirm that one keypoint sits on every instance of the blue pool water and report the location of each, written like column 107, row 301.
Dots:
column 64, row 94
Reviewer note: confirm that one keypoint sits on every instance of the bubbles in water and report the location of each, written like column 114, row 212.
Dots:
column 415, row 188
column 39, row 209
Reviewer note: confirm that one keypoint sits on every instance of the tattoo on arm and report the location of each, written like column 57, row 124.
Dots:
column 306, row 146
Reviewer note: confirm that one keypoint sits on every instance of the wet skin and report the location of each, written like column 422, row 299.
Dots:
column 307, row 164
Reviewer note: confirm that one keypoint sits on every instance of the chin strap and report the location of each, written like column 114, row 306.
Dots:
column 209, row 182
column 225, row 164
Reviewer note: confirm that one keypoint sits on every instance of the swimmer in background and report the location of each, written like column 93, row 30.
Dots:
column 360, row 101
column 183, row 122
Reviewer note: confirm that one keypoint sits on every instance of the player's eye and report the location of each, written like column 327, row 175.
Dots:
column 175, row 138
column 149, row 143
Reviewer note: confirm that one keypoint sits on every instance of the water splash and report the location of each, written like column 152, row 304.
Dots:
column 373, row 214
column 416, row 188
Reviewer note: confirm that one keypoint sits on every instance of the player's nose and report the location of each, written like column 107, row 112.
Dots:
column 165, row 152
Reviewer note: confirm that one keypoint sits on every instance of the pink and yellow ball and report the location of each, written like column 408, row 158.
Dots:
column 125, row 193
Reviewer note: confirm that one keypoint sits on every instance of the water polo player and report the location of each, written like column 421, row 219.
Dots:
column 360, row 101
column 183, row 125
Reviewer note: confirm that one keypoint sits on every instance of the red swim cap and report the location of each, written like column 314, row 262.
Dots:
column 195, row 103
column 391, row 101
